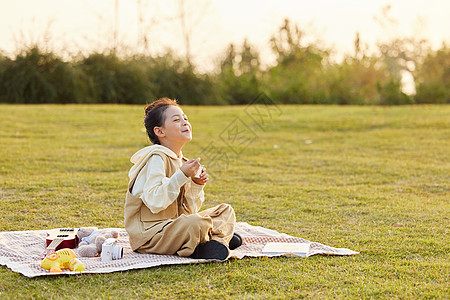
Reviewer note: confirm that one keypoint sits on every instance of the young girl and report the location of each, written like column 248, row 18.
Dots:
column 164, row 194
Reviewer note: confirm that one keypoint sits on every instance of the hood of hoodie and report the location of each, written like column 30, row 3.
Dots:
column 140, row 158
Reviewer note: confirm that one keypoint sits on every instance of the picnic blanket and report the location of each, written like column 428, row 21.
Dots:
column 22, row 251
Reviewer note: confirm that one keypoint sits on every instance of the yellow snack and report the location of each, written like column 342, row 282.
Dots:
column 62, row 259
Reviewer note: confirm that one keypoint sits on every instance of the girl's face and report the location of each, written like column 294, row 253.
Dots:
column 176, row 126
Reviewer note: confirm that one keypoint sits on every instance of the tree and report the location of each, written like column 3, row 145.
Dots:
column 433, row 77
column 358, row 78
column 238, row 80
column 298, row 76
column 402, row 55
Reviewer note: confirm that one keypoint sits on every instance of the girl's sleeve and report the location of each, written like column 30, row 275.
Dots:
column 159, row 191
column 194, row 196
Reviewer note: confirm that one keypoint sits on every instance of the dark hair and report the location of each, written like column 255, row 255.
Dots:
column 154, row 116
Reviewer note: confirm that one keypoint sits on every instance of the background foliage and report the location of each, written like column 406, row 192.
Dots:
column 304, row 73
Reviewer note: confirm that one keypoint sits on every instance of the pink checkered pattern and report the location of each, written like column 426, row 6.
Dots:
column 22, row 251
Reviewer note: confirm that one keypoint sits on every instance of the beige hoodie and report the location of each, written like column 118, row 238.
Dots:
column 158, row 192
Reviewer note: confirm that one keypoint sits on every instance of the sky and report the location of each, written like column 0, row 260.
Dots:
column 70, row 26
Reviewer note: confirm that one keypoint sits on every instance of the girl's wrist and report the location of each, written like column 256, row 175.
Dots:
column 198, row 181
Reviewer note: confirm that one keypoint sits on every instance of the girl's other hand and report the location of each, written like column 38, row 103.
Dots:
column 202, row 179
column 190, row 167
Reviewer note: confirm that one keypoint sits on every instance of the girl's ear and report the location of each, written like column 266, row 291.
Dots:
column 159, row 132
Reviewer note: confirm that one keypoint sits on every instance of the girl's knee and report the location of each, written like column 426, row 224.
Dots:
column 226, row 209
column 196, row 222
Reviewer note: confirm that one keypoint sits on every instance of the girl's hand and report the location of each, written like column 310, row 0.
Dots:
column 190, row 167
column 202, row 179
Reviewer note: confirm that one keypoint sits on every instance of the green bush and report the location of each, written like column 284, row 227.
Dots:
column 35, row 76
column 391, row 94
column 432, row 92
column 115, row 80
column 293, row 84
column 171, row 77
column 355, row 81
column 298, row 77
column 236, row 89
column 238, row 81
column 433, row 77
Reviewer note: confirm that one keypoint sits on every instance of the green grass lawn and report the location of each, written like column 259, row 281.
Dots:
column 372, row 179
